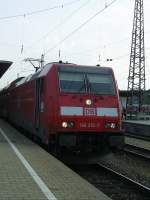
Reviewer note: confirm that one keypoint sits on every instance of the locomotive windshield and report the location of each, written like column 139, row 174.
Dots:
column 100, row 84
column 86, row 83
column 72, row 82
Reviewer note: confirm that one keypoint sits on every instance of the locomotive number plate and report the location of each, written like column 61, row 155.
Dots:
column 89, row 125
column 89, row 111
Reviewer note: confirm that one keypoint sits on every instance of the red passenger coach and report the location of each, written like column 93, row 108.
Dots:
column 67, row 106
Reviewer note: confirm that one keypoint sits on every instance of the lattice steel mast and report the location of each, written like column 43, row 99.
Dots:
column 136, row 78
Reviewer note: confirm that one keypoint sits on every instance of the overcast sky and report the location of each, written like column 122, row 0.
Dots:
column 27, row 32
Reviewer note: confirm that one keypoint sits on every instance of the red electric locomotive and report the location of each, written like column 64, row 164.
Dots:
column 67, row 106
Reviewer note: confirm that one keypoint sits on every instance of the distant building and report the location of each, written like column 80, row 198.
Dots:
column 134, row 107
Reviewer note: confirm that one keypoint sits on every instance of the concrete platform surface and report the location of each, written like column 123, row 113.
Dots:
column 27, row 172
column 138, row 143
column 140, row 128
column 143, row 122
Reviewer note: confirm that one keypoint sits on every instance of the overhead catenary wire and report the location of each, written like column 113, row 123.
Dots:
column 79, row 27
column 39, row 11
column 44, row 36
column 60, row 24
column 91, row 49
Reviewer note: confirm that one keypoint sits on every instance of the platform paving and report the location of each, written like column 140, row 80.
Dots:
column 137, row 142
column 143, row 122
column 16, row 183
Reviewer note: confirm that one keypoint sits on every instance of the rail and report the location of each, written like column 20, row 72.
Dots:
column 140, row 186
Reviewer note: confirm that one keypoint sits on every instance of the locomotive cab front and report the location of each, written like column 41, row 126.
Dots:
column 89, row 115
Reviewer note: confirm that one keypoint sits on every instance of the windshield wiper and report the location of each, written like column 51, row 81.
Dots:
column 83, row 86
column 88, row 85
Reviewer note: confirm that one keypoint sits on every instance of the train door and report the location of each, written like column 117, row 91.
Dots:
column 38, row 101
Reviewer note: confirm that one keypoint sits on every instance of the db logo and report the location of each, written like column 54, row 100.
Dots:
column 89, row 111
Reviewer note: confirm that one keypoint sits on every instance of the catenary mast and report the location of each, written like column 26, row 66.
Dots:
column 136, row 78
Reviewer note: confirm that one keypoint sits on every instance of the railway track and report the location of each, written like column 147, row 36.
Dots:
column 138, row 151
column 138, row 136
column 136, row 185
column 112, row 183
column 122, row 182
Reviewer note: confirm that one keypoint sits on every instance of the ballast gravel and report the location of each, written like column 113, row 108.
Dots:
column 129, row 165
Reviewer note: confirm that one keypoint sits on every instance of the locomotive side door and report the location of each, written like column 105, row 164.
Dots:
column 38, row 100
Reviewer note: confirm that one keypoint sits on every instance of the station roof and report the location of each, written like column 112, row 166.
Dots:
column 4, row 65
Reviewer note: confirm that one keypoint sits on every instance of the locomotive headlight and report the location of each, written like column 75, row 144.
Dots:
column 68, row 124
column 64, row 124
column 110, row 125
column 71, row 124
column 88, row 102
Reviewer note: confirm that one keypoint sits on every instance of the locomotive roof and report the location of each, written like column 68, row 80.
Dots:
column 68, row 67
column 82, row 68
column 71, row 67
column 61, row 67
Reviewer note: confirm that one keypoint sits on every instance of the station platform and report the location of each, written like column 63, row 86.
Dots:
column 137, row 127
column 27, row 172
column 137, row 143
column 143, row 122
